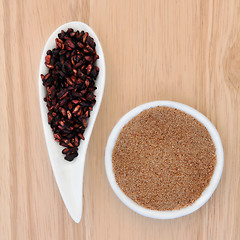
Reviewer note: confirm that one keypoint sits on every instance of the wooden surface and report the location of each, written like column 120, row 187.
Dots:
column 186, row 51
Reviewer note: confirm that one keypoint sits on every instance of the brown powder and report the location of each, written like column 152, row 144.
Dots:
column 164, row 159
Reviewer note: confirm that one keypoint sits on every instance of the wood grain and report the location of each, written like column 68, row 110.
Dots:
column 186, row 51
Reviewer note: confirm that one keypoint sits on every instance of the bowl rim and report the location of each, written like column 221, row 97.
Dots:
column 207, row 193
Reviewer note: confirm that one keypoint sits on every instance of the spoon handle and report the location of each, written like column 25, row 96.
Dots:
column 71, row 188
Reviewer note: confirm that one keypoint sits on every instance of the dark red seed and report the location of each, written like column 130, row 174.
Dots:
column 69, row 150
column 84, row 121
column 47, row 76
column 73, row 78
column 64, row 95
column 84, row 91
column 62, row 52
column 79, row 81
column 70, row 145
column 75, row 72
column 72, row 34
column 50, row 118
column 60, row 45
column 70, row 105
column 69, row 115
column 87, row 83
column 69, row 44
column 80, row 45
column 84, row 37
column 63, row 101
column 79, row 113
column 76, row 109
column 89, row 49
column 71, row 156
column 56, row 106
column 47, row 59
column 88, row 58
column 95, row 57
column 76, row 141
column 63, row 144
column 75, row 101
column 70, row 87
column 69, row 82
column 89, row 68
column 65, row 150
column 81, row 136
column 50, row 66
column 71, row 135
column 61, row 123
column 63, row 111
column 87, row 114
column 57, row 136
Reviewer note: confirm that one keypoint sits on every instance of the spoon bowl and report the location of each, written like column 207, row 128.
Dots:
column 69, row 175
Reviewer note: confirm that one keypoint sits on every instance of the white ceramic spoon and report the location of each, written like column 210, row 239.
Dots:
column 69, row 175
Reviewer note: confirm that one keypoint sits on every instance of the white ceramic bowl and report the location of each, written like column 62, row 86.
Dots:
column 173, row 213
column 69, row 175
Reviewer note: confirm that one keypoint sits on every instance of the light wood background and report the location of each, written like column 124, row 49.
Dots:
column 186, row 51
